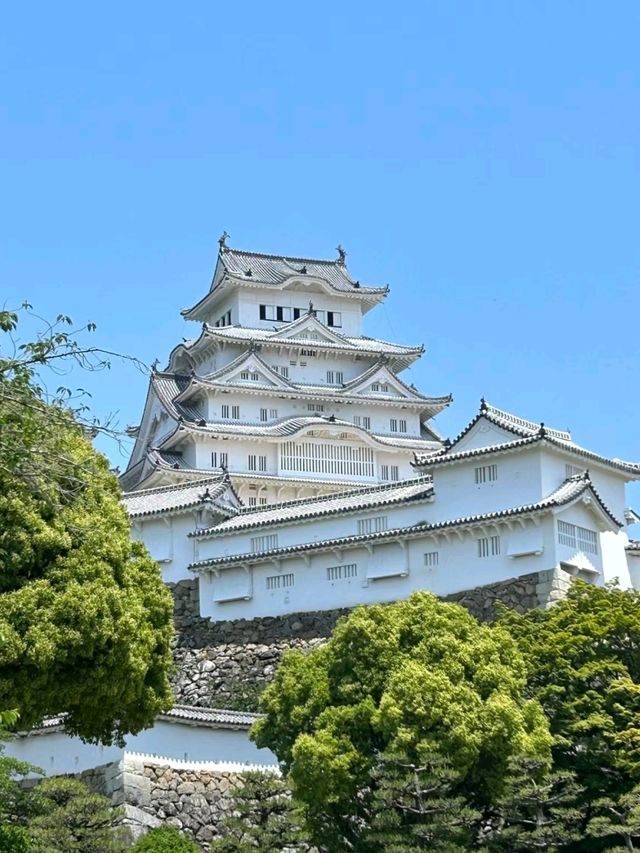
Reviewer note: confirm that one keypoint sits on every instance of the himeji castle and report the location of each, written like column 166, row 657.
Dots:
column 284, row 471
column 282, row 389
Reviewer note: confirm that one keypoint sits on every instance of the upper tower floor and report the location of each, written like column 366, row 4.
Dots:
column 262, row 291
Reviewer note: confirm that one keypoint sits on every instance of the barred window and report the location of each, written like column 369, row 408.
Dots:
column 489, row 546
column 263, row 415
column 264, row 543
column 339, row 573
column 315, row 407
column 280, row 581
column 575, row 536
column 431, row 559
column 372, row 525
column 486, row 474
column 572, row 471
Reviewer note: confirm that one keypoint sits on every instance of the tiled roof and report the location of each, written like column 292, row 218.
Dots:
column 275, row 269
column 211, row 716
column 569, row 491
column 301, row 510
column 634, row 546
column 179, row 713
column 528, row 433
column 168, row 386
column 284, row 427
column 211, row 490
column 242, row 334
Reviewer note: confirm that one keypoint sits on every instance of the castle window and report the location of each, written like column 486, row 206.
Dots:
column 335, row 377
column 219, row 460
column 577, row 537
column 334, row 318
column 315, row 407
column 273, row 413
column 264, row 543
column 253, row 501
column 323, row 458
column 225, row 411
column 244, row 375
column 486, row 474
column 572, row 471
column 257, row 463
column 267, row 312
column 362, row 420
column 339, row 573
column 431, row 559
column 262, row 501
column 389, row 472
column 378, row 387
column 398, row 425
column 263, row 414
column 372, row 525
column 310, row 353
column 235, row 413
column 280, row 581
column 283, row 313
column 489, row 546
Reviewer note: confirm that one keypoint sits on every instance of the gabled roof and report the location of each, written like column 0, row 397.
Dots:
column 406, row 491
column 292, row 425
column 568, row 493
column 266, row 270
column 401, row 356
column 215, row 491
column 527, row 433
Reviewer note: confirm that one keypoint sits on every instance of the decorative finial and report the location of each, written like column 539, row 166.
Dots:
column 342, row 255
column 311, row 310
column 222, row 242
column 483, row 404
column 154, row 366
column 303, row 270
column 542, row 431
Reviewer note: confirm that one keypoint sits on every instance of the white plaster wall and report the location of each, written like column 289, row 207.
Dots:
column 458, row 495
column 459, row 568
column 250, row 300
column 56, row 753
column 633, row 561
column 167, row 541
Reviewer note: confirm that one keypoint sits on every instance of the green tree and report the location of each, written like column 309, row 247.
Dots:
column 72, row 819
column 417, row 677
column 262, row 817
column 165, row 839
column 85, row 620
column 415, row 807
column 538, row 809
column 583, row 660
column 618, row 817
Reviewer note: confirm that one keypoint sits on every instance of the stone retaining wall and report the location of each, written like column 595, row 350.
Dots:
column 194, row 797
column 227, row 664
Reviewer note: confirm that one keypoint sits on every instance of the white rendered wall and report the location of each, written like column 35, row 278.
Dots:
column 56, row 753
column 388, row 573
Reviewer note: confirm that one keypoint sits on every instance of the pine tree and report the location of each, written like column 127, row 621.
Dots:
column 262, row 817
column 538, row 809
column 618, row 817
column 415, row 807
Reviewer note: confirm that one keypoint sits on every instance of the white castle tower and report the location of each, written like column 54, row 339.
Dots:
column 282, row 389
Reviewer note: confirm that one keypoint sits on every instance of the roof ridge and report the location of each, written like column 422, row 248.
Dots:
column 281, row 257
column 172, row 486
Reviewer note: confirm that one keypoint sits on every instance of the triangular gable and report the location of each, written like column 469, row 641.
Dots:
column 482, row 432
column 381, row 375
column 249, row 362
column 589, row 505
column 308, row 327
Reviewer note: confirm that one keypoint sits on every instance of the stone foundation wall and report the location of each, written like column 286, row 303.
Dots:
column 194, row 797
column 227, row 664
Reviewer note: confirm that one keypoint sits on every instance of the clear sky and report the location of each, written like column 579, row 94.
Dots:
column 480, row 157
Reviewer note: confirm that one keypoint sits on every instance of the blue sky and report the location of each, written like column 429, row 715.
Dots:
column 480, row 157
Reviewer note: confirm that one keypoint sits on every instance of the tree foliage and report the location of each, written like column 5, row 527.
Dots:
column 73, row 819
column 415, row 806
column 262, row 818
column 85, row 621
column 583, row 659
column 165, row 839
column 417, row 677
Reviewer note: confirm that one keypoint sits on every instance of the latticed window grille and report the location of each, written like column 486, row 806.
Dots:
column 578, row 537
column 431, row 559
column 323, row 458
column 264, row 543
column 372, row 525
column 489, row 546
column 338, row 573
column 280, row 581
column 486, row 474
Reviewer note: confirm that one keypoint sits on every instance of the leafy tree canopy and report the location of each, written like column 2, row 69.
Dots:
column 165, row 839
column 417, row 677
column 85, row 621
column 583, row 658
